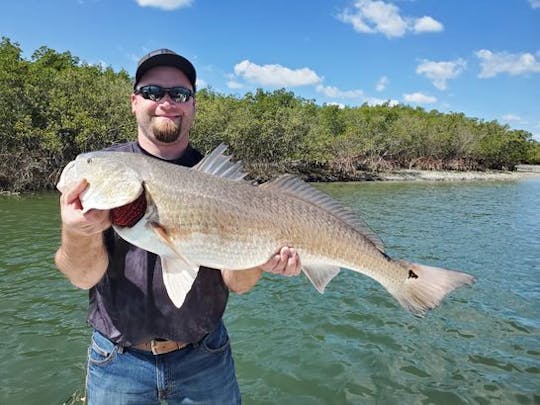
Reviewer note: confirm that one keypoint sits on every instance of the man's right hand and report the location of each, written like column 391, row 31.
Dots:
column 82, row 256
column 73, row 219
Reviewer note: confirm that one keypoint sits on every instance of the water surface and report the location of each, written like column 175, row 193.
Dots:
column 352, row 345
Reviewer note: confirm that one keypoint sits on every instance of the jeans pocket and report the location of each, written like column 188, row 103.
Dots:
column 101, row 351
column 217, row 341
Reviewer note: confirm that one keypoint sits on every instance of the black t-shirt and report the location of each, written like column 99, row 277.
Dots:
column 130, row 304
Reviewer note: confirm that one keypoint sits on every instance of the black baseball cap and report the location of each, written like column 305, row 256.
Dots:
column 165, row 57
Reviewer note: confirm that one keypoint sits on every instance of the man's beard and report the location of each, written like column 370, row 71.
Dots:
column 168, row 131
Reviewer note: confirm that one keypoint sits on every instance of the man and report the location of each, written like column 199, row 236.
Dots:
column 143, row 348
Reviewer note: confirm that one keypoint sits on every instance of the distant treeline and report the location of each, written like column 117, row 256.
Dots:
column 54, row 106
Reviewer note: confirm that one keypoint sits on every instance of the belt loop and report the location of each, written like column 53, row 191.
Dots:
column 120, row 349
column 153, row 347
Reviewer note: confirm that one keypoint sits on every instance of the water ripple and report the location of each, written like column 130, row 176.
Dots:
column 352, row 345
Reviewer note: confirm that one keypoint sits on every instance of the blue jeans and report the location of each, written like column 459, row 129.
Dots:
column 201, row 373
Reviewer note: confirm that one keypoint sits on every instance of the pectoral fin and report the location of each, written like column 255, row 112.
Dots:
column 178, row 272
column 178, row 278
column 320, row 275
column 163, row 235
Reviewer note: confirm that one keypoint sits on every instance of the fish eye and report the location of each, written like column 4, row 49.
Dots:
column 89, row 160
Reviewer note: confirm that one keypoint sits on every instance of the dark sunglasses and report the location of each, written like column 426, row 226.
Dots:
column 155, row 93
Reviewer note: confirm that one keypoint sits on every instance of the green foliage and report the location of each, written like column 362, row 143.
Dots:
column 279, row 128
column 54, row 106
column 533, row 155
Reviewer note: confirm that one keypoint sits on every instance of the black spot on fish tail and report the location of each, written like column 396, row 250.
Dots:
column 412, row 274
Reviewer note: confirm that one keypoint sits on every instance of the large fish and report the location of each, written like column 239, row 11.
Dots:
column 210, row 216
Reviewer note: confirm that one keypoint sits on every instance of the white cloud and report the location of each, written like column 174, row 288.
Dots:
column 165, row 4
column 334, row 92
column 338, row 105
column 100, row 63
column 512, row 118
column 519, row 122
column 276, row 75
column 427, row 24
column 358, row 95
column 440, row 72
column 419, row 98
column 534, row 3
column 379, row 101
column 375, row 16
column 503, row 62
column 382, row 83
column 201, row 84
column 233, row 84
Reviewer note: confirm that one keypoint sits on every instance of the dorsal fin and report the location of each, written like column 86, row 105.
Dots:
column 218, row 164
column 299, row 189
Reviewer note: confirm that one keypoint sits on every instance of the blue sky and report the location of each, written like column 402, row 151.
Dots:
column 478, row 57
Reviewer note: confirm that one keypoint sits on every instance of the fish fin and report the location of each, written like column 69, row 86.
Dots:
column 178, row 272
column 162, row 234
column 218, row 164
column 426, row 286
column 320, row 275
column 178, row 278
column 294, row 187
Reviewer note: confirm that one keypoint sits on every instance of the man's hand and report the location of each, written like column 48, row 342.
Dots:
column 286, row 262
column 74, row 221
column 82, row 256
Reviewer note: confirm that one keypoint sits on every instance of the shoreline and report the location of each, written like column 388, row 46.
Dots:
column 416, row 175
column 399, row 175
column 447, row 175
column 323, row 174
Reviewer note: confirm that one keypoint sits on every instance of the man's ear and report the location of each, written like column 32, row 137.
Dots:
column 133, row 100
column 194, row 112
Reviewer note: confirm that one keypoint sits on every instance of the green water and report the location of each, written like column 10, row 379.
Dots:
column 352, row 345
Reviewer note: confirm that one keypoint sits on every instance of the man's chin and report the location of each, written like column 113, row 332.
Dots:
column 167, row 133
column 167, row 137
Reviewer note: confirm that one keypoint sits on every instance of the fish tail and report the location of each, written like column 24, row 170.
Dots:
column 426, row 286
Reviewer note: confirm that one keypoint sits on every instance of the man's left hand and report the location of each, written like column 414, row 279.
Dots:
column 286, row 262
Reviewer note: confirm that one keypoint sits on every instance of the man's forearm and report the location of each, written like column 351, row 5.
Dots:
column 83, row 259
column 284, row 262
column 241, row 281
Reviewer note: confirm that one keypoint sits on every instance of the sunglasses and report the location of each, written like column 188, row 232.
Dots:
column 155, row 93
